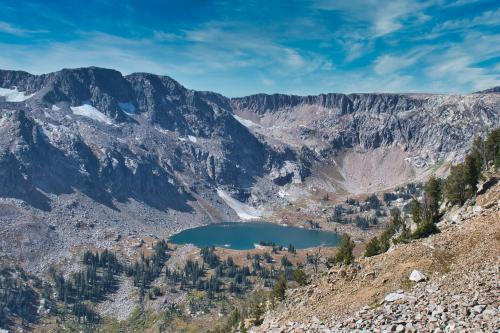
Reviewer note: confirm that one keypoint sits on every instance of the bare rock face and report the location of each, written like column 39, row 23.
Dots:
column 434, row 124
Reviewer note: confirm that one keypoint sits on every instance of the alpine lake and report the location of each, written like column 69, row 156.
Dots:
column 248, row 235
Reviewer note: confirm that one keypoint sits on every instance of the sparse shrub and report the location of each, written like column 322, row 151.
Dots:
column 425, row 229
column 154, row 292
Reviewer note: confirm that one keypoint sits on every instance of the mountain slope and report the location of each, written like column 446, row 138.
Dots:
column 421, row 130
column 89, row 156
column 375, row 294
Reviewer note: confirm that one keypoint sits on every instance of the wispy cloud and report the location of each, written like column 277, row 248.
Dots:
column 268, row 82
column 389, row 64
column 488, row 18
column 382, row 18
column 11, row 29
column 460, row 62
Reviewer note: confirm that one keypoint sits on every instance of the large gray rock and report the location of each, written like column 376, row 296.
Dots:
column 417, row 276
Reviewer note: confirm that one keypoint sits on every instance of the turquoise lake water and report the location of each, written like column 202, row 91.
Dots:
column 244, row 236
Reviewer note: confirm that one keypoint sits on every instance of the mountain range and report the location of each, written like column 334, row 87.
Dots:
column 89, row 156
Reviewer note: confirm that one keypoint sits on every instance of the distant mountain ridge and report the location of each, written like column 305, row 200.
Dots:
column 490, row 90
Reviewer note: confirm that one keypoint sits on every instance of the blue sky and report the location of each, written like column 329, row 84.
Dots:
column 244, row 47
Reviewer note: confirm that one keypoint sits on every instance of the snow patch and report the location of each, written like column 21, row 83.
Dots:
column 91, row 112
column 243, row 211
column 246, row 122
column 192, row 138
column 127, row 107
column 282, row 193
column 14, row 95
column 55, row 108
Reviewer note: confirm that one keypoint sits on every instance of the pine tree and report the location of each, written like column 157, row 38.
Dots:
column 416, row 211
column 455, row 185
column 256, row 311
column 345, row 254
column 373, row 247
column 300, row 277
column 432, row 196
column 279, row 288
column 472, row 172
column 492, row 147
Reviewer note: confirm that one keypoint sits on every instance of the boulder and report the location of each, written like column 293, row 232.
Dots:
column 392, row 297
column 417, row 276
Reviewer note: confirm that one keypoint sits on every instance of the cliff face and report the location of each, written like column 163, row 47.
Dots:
column 438, row 124
column 343, row 104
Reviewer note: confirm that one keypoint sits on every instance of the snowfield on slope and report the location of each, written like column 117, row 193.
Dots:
column 243, row 211
column 14, row 95
column 246, row 122
column 87, row 110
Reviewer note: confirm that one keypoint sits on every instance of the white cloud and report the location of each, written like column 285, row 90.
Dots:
column 268, row 82
column 293, row 58
column 459, row 63
column 10, row 29
column 382, row 18
column 354, row 50
column 491, row 17
column 166, row 36
column 225, row 45
column 458, row 3
column 388, row 64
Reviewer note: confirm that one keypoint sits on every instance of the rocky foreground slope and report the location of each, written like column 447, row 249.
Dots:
column 457, row 290
column 91, row 157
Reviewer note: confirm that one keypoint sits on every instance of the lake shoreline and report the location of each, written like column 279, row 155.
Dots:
column 246, row 235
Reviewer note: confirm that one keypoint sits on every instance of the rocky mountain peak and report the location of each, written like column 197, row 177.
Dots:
column 102, row 88
column 492, row 90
